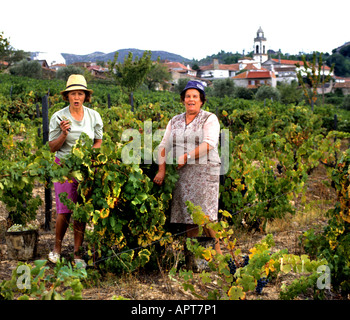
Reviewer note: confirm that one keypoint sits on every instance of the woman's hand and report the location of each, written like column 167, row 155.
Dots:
column 159, row 178
column 65, row 126
column 182, row 160
column 56, row 144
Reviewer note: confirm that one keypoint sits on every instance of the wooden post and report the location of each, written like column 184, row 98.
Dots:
column 48, row 194
column 132, row 101
column 109, row 101
column 38, row 116
column 335, row 122
column 45, row 112
column 335, row 138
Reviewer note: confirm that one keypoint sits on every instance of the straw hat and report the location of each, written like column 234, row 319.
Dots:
column 76, row 82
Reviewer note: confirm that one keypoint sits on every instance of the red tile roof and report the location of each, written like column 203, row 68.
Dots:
column 176, row 66
column 251, row 66
column 294, row 62
column 345, row 84
column 342, row 79
column 256, row 74
column 231, row 67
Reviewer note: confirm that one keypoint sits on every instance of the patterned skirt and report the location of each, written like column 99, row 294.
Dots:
column 198, row 183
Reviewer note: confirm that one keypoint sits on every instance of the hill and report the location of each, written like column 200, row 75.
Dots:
column 100, row 56
column 341, row 59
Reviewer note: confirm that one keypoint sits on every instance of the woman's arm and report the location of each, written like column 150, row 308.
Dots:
column 211, row 132
column 200, row 151
column 56, row 144
column 159, row 178
column 97, row 143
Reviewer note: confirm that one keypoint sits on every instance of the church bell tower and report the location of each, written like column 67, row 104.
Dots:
column 260, row 48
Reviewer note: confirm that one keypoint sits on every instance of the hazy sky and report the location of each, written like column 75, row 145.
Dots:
column 193, row 29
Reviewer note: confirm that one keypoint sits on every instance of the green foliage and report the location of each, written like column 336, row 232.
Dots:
column 4, row 43
column 35, row 282
column 346, row 103
column 341, row 64
column 64, row 73
column 124, row 207
column 334, row 242
column 267, row 92
column 181, row 84
column 313, row 74
column 223, row 87
column 263, row 263
column 244, row 93
column 157, row 76
column 130, row 74
column 222, row 56
column 272, row 147
column 289, row 93
column 27, row 68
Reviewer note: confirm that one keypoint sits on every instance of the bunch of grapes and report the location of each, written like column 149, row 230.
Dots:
column 20, row 227
column 261, row 284
column 245, row 261
column 15, row 228
column 232, row 266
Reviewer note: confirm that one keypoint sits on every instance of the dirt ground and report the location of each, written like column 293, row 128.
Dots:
column 156, row 284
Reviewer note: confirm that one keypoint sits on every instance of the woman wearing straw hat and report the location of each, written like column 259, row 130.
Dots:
column 193, row 138
column 66, row 126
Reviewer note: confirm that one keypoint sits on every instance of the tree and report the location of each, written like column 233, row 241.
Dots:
column 224, row 87
column 290, row 94
column 4, row 44
column 341, row 64
column 9, row 54
column 65, row 72
column 244, row 93
column 130, row 74
column 312, row 75
column 267, row 92
column 346, row 103
column 25, row 68
column 181, row 84
column 158, row 75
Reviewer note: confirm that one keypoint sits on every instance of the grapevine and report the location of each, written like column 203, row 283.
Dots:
column 273, row 148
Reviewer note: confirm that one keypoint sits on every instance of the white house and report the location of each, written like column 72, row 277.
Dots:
column 180, row 71
column 255, row 78
column 286, row 70
column 218, row 71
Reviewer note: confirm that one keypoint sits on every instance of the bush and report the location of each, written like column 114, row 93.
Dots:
column 223, row 87
column 31, row 69
column 290, row 94
column 267, row 92
column 244, row 93
column 346, row 103
column 181, row 84
column 334, row 242
column 64, row 73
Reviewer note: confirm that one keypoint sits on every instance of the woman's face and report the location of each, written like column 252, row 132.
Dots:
column 192, row 101
column 76, row 98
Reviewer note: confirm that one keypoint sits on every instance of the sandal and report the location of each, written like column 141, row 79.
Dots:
column 54, row 257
